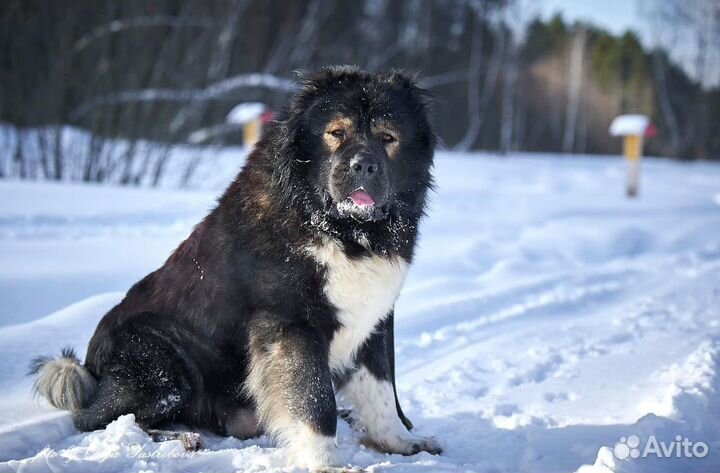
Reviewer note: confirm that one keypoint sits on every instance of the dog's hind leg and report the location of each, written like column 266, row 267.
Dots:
column 291, row 385
column 116, row 398
column 145, row 376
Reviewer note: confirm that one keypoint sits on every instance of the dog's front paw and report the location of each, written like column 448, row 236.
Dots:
column 425, row 444
column 406, row 445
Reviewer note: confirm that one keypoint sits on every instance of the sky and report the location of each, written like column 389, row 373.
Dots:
column 617, row 16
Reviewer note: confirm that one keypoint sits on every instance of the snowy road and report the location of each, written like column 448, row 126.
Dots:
column 545, row 318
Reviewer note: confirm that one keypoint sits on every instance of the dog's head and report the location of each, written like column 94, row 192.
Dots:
column 359, row 145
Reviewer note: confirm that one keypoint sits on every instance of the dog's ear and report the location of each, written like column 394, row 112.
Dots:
column 423, row 102
column 313, row 83
column 318, row 81
column 309, row 85
column 410, row 81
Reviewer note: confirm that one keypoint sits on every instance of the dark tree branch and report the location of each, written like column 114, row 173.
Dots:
column 214, row 91
column 141, row 22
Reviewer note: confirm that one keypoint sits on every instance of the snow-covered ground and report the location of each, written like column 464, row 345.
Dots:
column 546, row 319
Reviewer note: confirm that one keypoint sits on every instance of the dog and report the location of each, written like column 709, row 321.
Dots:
column 283, row 296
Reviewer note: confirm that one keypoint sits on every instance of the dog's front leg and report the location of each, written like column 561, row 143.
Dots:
column 370, row 391
column 290, row 381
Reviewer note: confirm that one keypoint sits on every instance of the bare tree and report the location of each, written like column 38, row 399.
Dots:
column 663, row 96
column 507, row 119
column 117, row 26
column 477, row 100
column 577, row 53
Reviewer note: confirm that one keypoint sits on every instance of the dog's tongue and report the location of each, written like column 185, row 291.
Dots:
column 362, row 198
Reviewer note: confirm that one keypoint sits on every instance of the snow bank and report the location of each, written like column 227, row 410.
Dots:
column 687, row 413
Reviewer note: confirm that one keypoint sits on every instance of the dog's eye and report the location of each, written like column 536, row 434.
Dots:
column 340, row 134
column 387, row 138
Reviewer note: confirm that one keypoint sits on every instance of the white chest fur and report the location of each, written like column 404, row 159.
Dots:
column 363, row 290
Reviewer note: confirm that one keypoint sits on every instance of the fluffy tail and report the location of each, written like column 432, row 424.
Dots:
column 64, row 382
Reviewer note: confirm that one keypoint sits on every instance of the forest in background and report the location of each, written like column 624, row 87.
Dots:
column 153, row 74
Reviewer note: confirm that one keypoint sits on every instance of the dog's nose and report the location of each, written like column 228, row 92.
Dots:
column 364, row 165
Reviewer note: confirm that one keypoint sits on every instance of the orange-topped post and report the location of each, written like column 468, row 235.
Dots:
column 632, row 128
column 250, row 116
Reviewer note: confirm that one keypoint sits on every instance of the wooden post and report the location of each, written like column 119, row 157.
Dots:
column 250, row 116
column 632, row 148
column 251, row 132
column 632, row 128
